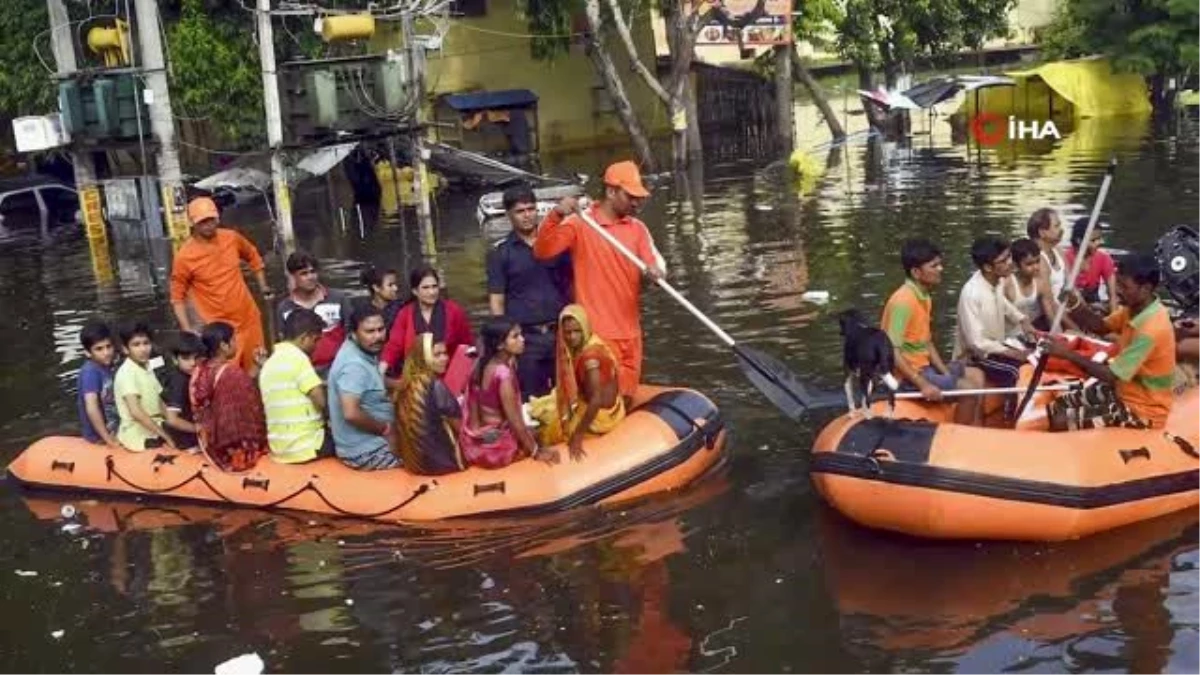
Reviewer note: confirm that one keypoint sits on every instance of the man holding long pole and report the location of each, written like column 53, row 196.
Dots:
column 606, row 283
column 1135, row 388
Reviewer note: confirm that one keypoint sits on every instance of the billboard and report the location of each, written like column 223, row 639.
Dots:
column 761, row 23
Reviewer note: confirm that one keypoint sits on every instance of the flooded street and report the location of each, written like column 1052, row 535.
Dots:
column 746, row 572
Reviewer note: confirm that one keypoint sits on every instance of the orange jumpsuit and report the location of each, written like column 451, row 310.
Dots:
column 607, row 285
column 209, row 273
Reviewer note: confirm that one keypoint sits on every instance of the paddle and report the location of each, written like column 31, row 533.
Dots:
column 955, row 393
column 1042, row 352
column 781, row 387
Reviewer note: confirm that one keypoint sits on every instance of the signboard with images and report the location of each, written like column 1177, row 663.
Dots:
column 761, row 23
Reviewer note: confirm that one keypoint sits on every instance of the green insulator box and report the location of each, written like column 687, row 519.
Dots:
column 106, row 122
column 392, row 85
column 322, row 98
column 70, row 106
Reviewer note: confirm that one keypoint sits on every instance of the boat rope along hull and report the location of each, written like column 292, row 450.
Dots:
column 674, row 437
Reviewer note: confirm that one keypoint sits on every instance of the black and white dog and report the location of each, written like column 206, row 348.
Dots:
column 868, row 359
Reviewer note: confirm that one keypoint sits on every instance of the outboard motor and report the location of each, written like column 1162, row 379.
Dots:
column 1178, row 254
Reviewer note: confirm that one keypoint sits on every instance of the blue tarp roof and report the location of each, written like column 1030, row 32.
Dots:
column 491, row 100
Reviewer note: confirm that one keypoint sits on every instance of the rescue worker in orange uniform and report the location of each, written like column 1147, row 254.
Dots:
column 607, row 284
column 207, row 271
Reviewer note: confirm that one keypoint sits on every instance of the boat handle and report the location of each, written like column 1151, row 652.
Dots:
column 262, row 483
column 1129, row 455
column 56, row 465
column 489, row 487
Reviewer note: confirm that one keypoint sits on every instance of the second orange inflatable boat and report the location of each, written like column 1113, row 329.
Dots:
column 672, row 437
column 928, row 477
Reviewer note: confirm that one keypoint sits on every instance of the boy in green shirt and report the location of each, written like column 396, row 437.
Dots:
column 139, row 394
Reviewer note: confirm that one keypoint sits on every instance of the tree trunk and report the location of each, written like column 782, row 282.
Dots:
column 616, row 89
column 802, row 75
column 866, row 78
column 695, row 145
column 785, row 99
column 681, row 50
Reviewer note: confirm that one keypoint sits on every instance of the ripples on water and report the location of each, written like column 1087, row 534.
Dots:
column 746, row 572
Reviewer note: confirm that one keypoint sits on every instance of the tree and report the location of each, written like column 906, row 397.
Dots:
column 607, row 23
column 891, row 34
column 215, row 70
column 814, row 21
column 26, row 87
column 1154, row 38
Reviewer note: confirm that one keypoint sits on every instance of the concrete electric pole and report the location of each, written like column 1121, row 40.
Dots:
column 157, row 97
column 62, row 42
column 266, row 54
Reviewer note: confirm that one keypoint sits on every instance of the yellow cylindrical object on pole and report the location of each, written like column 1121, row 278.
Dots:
column 347, row 27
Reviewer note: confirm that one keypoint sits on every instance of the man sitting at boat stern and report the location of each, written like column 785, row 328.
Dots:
column 1134, row 389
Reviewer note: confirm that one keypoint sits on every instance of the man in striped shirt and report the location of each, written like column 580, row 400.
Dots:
column 293, row 395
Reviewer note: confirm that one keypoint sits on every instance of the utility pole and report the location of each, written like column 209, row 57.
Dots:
column 62, row 43
column 266, row 55
column 162, row 121
column 420, row 172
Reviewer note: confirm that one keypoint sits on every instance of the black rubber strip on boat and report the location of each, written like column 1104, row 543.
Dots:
column 998, row 487
column 668, row 408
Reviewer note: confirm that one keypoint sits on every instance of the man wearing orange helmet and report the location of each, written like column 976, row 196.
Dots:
column 207, row 270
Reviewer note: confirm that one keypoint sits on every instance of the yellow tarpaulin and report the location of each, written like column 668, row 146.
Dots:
column 1076, row 89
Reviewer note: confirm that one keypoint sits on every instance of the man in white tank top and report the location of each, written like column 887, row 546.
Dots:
column 1044, row 227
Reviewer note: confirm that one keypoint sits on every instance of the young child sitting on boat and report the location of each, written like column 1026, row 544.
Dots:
column 98, row 417
column 179, row 422
column 139, row 393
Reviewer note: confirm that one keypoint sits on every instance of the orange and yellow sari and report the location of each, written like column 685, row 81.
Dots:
column 561, row 411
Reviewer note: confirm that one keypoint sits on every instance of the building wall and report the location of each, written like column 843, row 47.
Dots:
column 492, row 52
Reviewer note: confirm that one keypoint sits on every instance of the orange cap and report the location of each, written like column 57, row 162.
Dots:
column 201, row 208
column 626, row 176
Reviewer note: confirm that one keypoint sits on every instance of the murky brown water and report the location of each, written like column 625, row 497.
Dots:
column 747, row 572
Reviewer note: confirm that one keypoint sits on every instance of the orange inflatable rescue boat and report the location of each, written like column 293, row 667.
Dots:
column 920, row 474
column 671, row 438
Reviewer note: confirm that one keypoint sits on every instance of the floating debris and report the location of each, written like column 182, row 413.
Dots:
column 26, row 573
column 56, row 634
column 815, row 297
column 246, row 664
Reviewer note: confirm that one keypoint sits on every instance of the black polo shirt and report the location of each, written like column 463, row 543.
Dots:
column 534, row 291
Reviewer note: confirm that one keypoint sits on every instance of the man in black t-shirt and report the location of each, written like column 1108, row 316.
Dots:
column 528, row 291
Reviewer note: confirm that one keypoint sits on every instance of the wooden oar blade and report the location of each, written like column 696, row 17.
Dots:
column 781, row 386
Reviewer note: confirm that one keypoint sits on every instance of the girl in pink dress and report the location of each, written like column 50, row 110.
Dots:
column 493, row 432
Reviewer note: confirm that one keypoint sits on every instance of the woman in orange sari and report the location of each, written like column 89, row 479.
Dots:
column 586, row 397
column 226, row 403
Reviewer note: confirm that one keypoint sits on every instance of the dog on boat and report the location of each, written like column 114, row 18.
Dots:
column 868, row 359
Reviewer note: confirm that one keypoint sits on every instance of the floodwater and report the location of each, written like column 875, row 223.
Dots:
column 745, row 572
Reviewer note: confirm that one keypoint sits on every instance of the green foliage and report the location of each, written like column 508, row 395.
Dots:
column 551, row 22
column 216, row 71
column 816, row 21
column 1150, row 37
column 891, row 33
column 26, row 87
